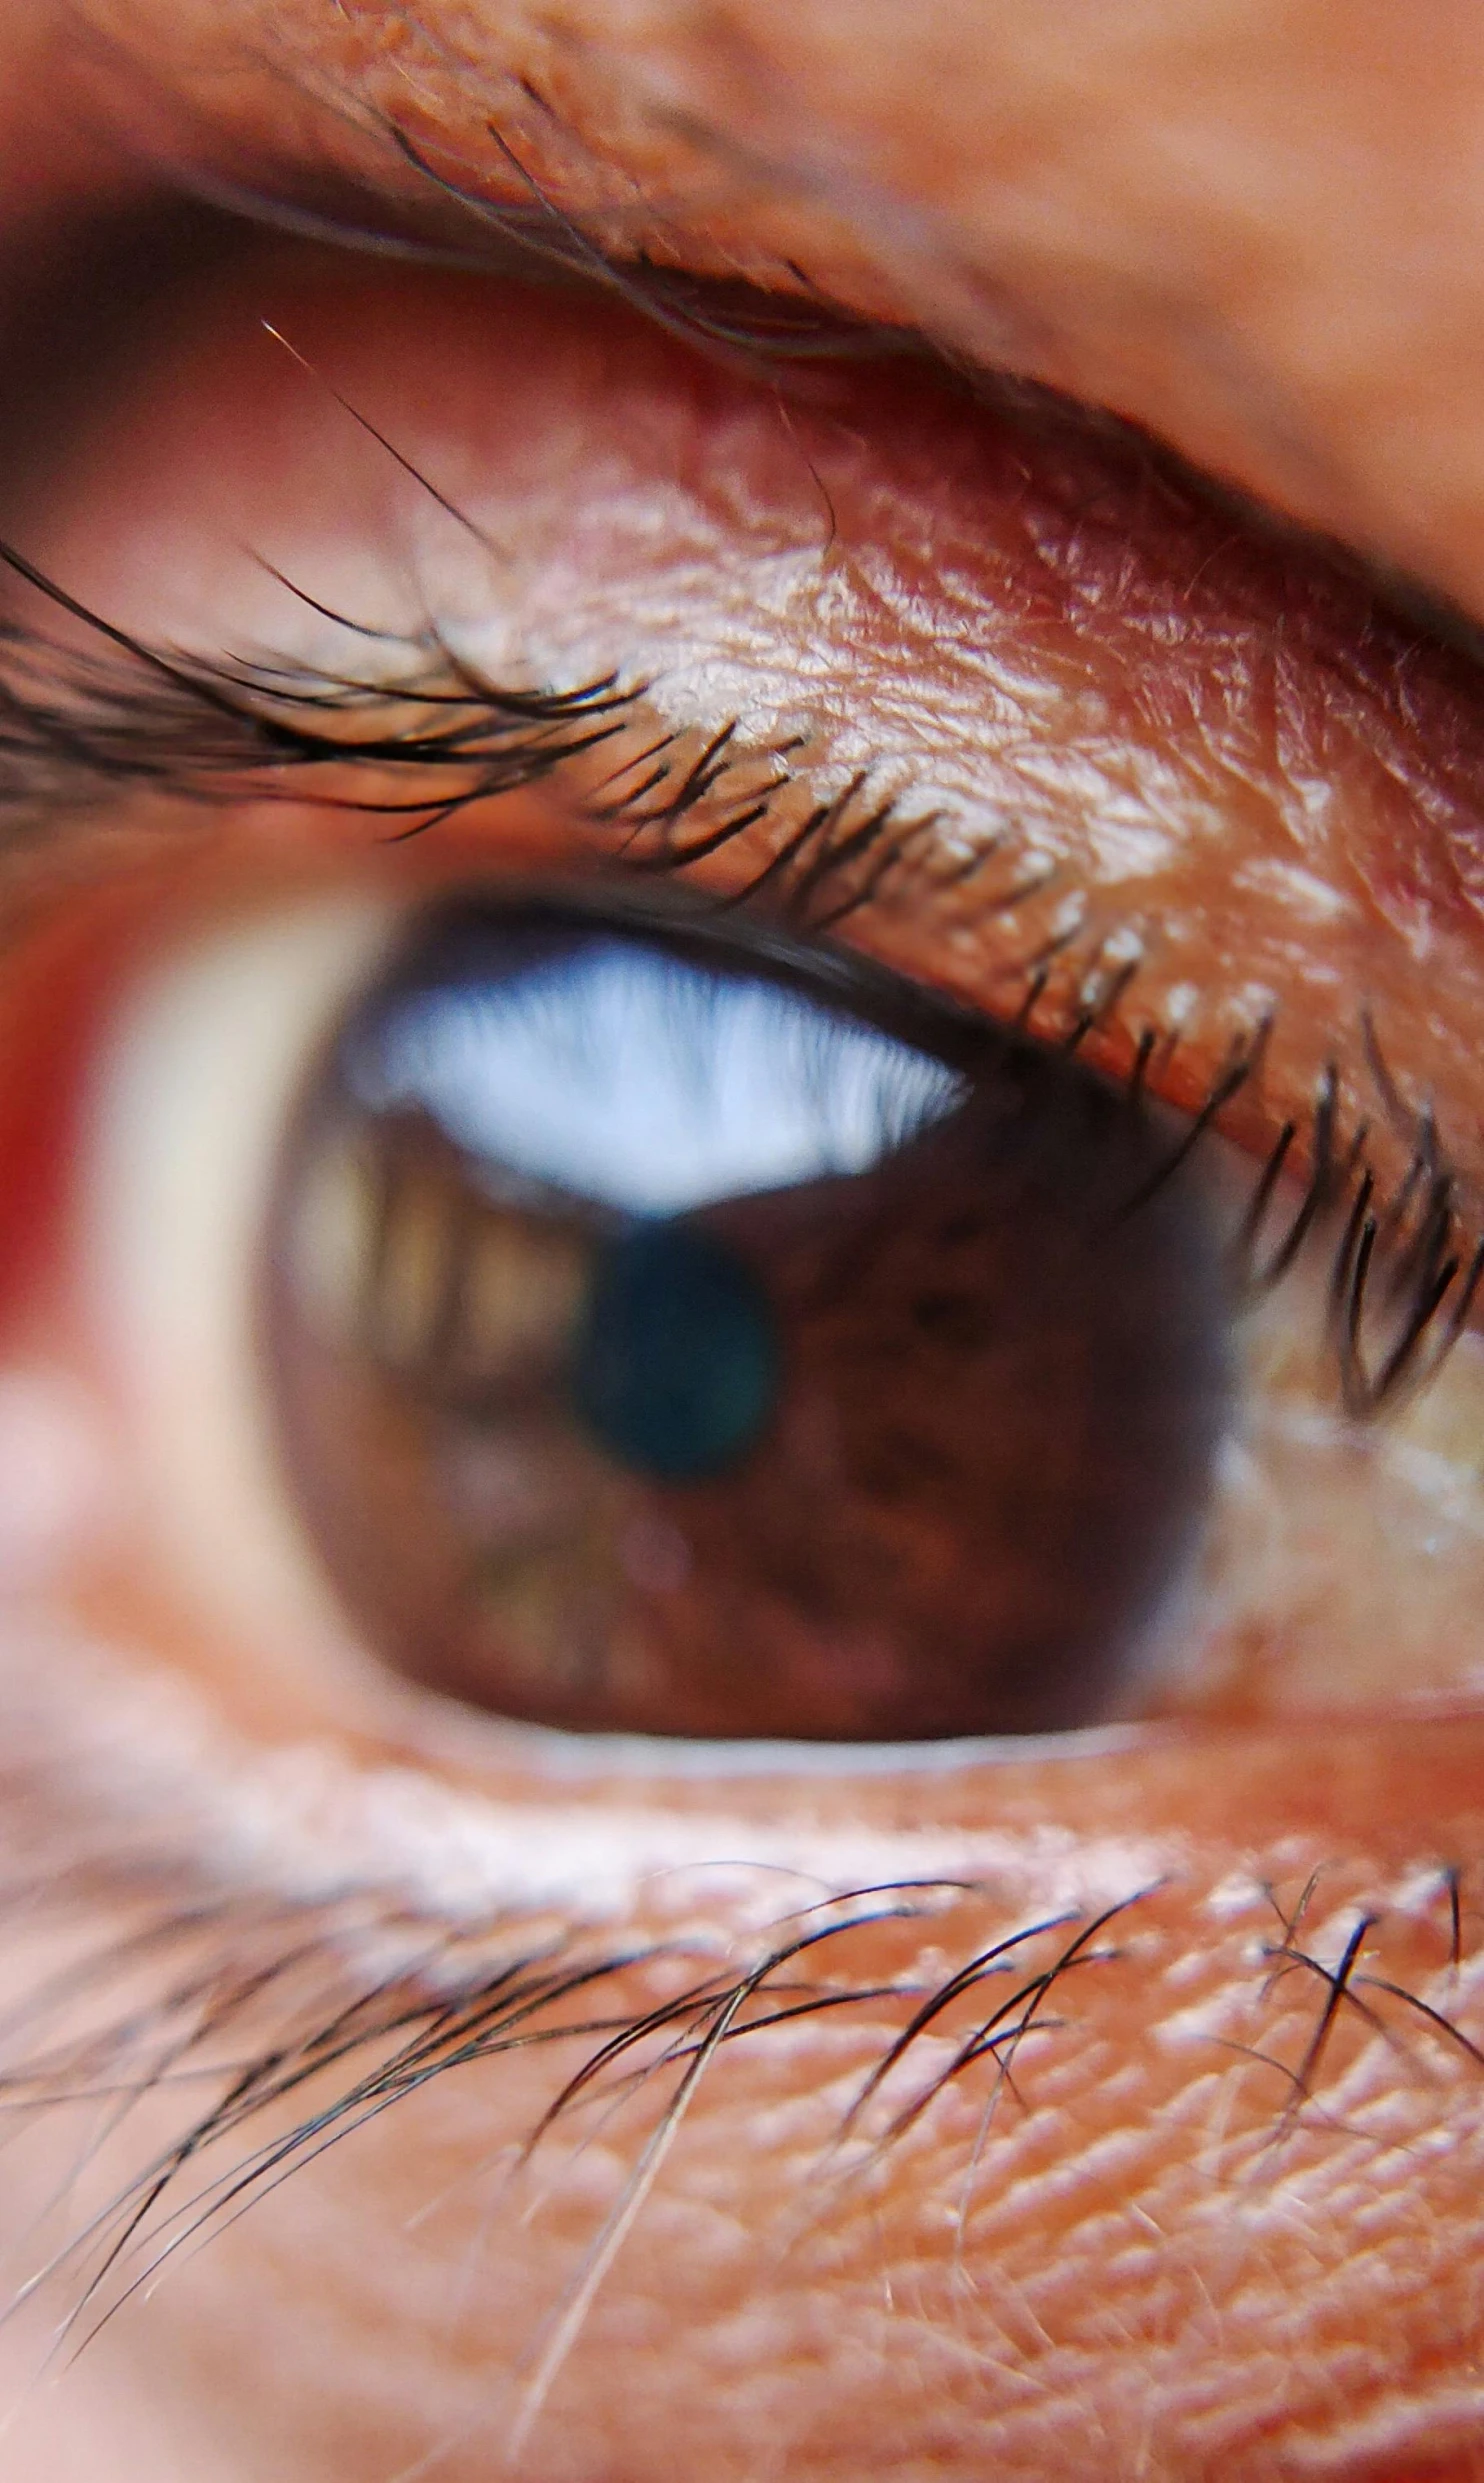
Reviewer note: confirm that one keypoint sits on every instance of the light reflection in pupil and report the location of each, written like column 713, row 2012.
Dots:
column 677, row 1362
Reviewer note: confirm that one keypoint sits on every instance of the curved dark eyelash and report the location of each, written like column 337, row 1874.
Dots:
column 1405, row 1272
column 257, row 2009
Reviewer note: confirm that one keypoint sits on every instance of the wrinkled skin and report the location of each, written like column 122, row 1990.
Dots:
column 1254, row 231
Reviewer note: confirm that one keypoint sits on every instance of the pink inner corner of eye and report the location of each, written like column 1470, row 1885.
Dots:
column 58, row 1484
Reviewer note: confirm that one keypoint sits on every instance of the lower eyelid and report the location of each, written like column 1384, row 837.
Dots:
column 1152, row 2040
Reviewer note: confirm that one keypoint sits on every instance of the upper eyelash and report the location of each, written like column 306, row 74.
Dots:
column 1432, row 1274
column 72, row 730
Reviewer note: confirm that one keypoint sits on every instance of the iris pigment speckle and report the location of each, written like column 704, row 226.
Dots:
column 676, row 1331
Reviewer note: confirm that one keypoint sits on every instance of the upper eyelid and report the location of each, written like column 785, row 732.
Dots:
column 1046, row 265
column 774, row 330
column 199, row 215
column 173, row 720
column 195, row 728
column 186, row 205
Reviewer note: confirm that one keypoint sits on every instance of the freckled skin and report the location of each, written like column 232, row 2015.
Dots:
column 1246, row 231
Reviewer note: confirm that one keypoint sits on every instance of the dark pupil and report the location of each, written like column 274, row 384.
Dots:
column 676, row 1366
column 675, row 1340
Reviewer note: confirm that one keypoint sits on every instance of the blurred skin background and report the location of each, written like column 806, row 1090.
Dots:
column 1230, row 2225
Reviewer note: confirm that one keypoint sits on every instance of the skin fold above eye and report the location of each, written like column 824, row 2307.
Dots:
column 1223, row 2220
column 1253, row 228
column 1138, row 733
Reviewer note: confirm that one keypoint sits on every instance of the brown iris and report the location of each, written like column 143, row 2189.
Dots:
column 677, row 1333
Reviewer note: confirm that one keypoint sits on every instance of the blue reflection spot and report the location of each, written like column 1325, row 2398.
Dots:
column 677, row 1360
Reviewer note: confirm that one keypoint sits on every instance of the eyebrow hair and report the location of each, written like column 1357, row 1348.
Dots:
column 433, row 219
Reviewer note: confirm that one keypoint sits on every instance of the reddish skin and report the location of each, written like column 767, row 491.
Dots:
column 59, row 1006
column 1306, row 2308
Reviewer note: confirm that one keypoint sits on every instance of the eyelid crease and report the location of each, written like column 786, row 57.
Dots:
column 784, row 320
column 779, row 331
column 1148, row 772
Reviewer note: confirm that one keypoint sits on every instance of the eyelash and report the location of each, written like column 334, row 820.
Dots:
column 1403, row 1265
column 259, row 2000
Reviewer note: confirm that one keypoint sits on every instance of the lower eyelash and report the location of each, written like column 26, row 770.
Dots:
column 256, row 2003
column 1405, row 1268
column 450, row 2004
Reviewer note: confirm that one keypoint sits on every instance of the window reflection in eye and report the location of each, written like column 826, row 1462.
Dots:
column 1113, row 1321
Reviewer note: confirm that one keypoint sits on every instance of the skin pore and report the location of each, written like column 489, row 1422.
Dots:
column 1224, row 2222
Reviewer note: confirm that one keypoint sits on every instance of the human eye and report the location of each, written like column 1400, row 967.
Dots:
column 984, row 799
column 785, row 920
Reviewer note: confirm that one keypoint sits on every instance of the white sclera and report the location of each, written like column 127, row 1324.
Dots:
column 194, row 1093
